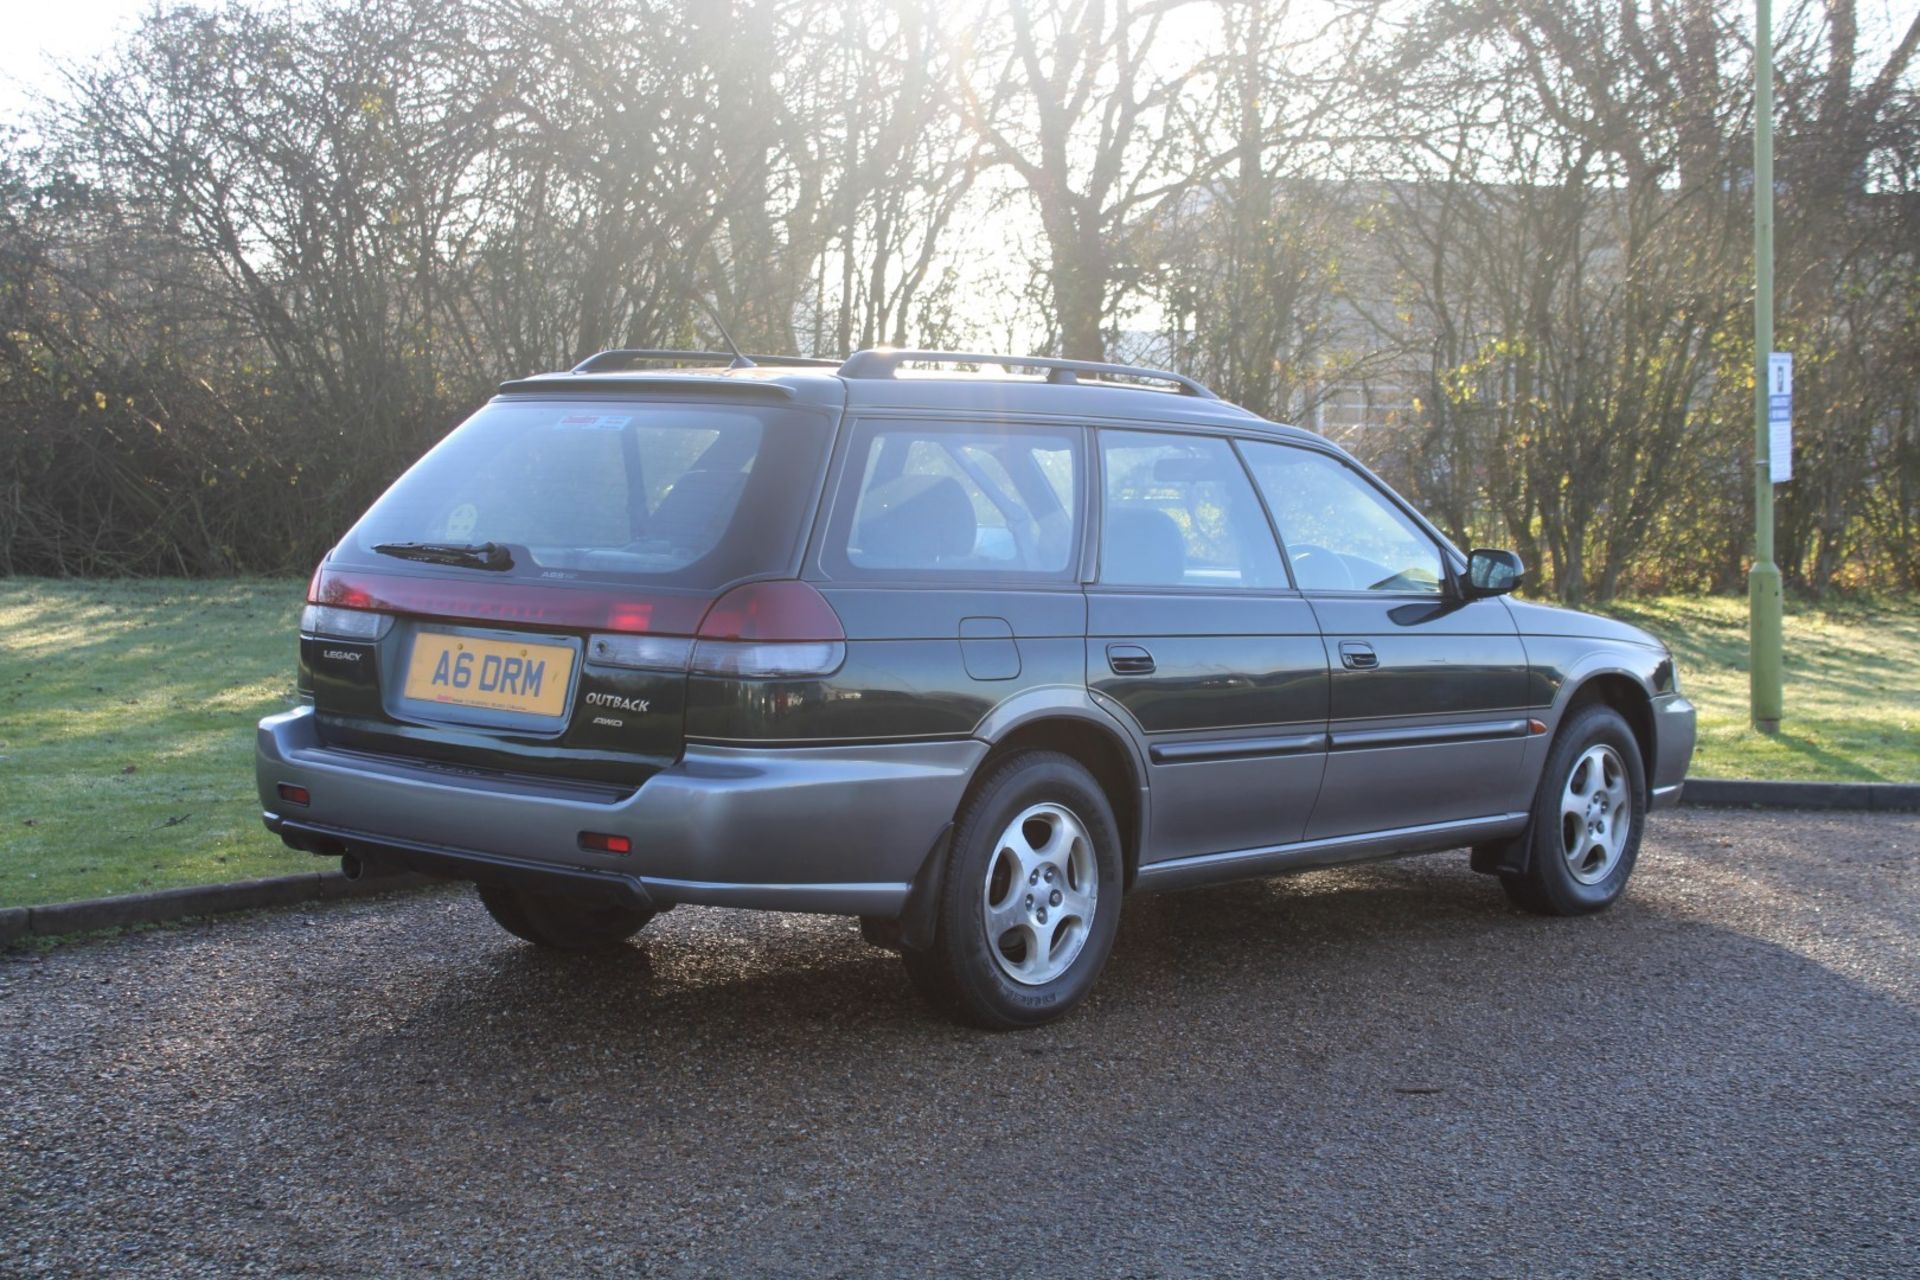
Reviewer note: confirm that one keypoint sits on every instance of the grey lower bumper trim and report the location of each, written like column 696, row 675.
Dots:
column 584, row 882
column 463, row 864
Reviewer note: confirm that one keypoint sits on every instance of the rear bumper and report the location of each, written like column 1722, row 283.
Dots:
column 1673, row 737
column 842, row 830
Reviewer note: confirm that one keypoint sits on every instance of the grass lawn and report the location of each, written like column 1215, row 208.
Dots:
column 127, row 713
column 1852, row 687
column 126, row 733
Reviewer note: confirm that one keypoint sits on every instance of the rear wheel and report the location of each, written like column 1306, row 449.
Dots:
column 1030, row 900
column 1587, row 818
column 562, row 923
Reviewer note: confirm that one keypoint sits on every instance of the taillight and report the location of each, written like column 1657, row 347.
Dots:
column 327, row 587
column 770, row 630
column 777, row 611
column 343, row 624
column 768, row 660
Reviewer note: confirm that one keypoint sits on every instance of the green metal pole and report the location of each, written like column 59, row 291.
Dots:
column 1763, row 581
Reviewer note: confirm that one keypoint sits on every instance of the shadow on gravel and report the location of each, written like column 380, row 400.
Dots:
column 698, row 972
column 712, row 976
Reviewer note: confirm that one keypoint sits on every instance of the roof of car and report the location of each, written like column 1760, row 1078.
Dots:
column 918, row 382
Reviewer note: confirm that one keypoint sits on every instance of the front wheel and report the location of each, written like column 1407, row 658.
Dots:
column 1031, row 897
column 561, row 923
column 1587, row 818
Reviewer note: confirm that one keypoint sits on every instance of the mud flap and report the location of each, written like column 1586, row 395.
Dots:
column 1504, row 857
column 920, row 918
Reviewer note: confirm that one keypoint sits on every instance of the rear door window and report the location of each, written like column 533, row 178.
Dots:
column 1180, row 512
column 957, row 498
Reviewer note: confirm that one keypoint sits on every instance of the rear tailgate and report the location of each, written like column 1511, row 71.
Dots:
column 524, row 598
column 497, row 680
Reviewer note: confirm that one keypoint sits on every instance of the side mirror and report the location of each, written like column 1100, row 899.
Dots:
column 1493, row 573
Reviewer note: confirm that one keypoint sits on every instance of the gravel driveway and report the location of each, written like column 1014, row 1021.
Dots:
column 1381, row 1070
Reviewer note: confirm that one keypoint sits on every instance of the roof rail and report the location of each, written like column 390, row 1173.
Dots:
column 627, row 357
column 882, row 362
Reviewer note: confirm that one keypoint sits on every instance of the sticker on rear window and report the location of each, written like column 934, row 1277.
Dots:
column 593, row 422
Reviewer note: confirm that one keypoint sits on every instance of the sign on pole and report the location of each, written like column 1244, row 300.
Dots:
column 1780, row 416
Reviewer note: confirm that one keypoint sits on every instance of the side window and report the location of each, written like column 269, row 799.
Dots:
column 1180, row 512
column 933, row 497
column 1342, row 534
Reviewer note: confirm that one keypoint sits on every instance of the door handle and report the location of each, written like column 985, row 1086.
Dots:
column 1358, row 655
column 1129, row 660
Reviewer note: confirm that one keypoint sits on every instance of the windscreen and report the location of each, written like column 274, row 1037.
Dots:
column 674, row 494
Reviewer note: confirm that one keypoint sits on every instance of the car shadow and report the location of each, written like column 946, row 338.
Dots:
column 809, row 985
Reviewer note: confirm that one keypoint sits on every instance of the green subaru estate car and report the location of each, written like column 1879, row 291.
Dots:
column 969, row 647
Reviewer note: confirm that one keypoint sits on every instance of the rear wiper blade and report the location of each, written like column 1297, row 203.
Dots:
column 484, row 555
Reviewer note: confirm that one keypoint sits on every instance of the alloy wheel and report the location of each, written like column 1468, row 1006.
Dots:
column 1041, row 890
column 1596, row 814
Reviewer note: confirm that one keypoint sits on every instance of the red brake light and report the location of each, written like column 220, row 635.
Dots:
column 602, row 842
column 632, row 618
column 328, row 587
column 780, row 611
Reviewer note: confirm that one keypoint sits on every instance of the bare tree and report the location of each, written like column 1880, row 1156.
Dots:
column 1073, row 100
column 1249, row 261
column 1575, row 242
column 266, row 256
column 1849, row 253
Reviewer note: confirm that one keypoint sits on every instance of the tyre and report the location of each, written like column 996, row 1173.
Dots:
column 1587, row 818
column 562, row 923
column 1030, row 899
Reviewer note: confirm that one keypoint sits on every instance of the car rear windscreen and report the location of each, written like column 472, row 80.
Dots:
column 674, row 494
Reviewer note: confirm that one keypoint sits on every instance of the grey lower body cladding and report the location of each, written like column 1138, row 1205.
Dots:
column 838, row 829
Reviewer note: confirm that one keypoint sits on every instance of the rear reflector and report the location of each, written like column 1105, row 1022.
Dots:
column 601, row 842
column 294, row 795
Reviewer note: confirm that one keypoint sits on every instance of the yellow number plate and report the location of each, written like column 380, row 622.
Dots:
column 496, row 675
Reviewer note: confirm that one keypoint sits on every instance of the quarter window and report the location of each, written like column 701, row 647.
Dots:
column 1179, row 512
column 982, row 499
column 1341, row 533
